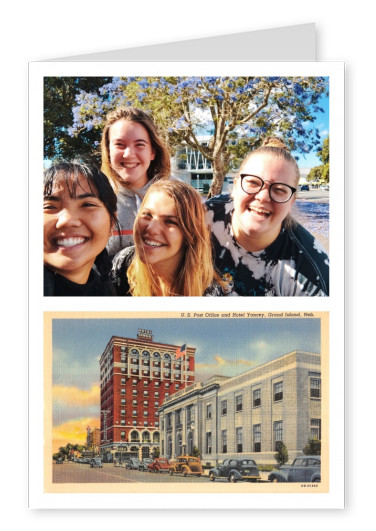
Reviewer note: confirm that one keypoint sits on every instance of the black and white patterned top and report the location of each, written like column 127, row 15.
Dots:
column 295, row 264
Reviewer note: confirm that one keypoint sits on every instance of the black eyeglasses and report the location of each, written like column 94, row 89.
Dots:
column 279, row 192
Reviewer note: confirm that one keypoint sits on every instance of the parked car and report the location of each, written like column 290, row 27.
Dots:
column 159, row 464
column 147, row 460
column 304, row 188
column 96, row 462
column 234, row 470
column 186, row 465
column 59, row 461
column 135, row 464
column 306, row 469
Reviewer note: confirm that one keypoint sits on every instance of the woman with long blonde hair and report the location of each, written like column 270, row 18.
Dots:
column 172, row 255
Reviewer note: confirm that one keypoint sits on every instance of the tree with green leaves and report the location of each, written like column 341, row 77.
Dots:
column 313, row 447
column 59, row 98
column 195, row 451
column 321, row 173
column 235, row 112
column 282, row 455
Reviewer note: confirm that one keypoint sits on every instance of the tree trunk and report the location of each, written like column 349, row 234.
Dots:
column 220, row 167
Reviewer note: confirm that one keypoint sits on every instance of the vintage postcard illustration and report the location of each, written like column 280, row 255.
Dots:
column 164, row 403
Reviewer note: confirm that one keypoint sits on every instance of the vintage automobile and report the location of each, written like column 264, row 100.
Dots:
column 96, row 462
column 243, row 469
column 159, row 464
column 135, row 464
column 59, row 461
column 186, row 465
column 306, row 469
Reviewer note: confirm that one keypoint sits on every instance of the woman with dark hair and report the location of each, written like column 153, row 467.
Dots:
column 260, row 249
column 133, row 157
column 172, row 255
column 79, row 214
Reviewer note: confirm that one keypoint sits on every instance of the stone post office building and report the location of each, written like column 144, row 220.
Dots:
column 248, row 414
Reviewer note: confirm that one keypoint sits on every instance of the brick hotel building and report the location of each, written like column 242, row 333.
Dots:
column 136, row 375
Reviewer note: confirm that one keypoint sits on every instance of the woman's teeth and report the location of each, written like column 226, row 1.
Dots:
column 69, row 242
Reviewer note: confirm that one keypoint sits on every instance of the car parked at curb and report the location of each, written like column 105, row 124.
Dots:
column 135, row 464
column 234, row 470
column 304, row 188
column 160, row 464
column 96, row 462
column 306, row 469
column 186, row 465
column 59, row 461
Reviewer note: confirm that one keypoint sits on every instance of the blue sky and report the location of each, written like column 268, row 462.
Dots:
column 79, row 343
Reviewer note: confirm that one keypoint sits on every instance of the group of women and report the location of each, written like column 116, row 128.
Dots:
column 132, row 229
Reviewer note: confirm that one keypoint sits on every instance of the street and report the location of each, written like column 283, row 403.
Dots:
column 70, row 472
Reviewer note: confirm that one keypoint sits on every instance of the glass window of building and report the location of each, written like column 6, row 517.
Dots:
column 257, row 438
column 316, row 429
column 278, row 391
column 239, row 440
column 224, row 441
column 224, row 407
column 315, row 387
column 239, row 403
column 209, row 443
column 257, row 398
column 208, row 411
column 277, row 433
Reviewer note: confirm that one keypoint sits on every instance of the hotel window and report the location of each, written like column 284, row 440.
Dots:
column 122, row 422
column 122, row 412
column 209, row 443
column 122, row 369
column 134, row 402
column 145, row 414
column 316, row 429
column 146, row 383
column 157, row 413
column 156, row 384
column 257, row 438
column 224, row 441
column 134, row 392
column 122, row 391
column 224, row 407
column 156, row 424
column 134, row 422
column 156, row 404
column 134, row 382
column 146, row 403
column 122, row 401
column 123, row 381
column 278, row 433
column 177, row 386
column 167, row 385
column 156, row 394
column 167, row 394
column 315, row 387
column 278, row 391
column 134, row 413
column 208, row 411
column 145, row 422
column 239, row 403
column 146, row 393
column 122, row 435
column 257, row 398
column 239, row 440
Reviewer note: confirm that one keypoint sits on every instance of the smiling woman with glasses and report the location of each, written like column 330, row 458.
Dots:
column 260, row 249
